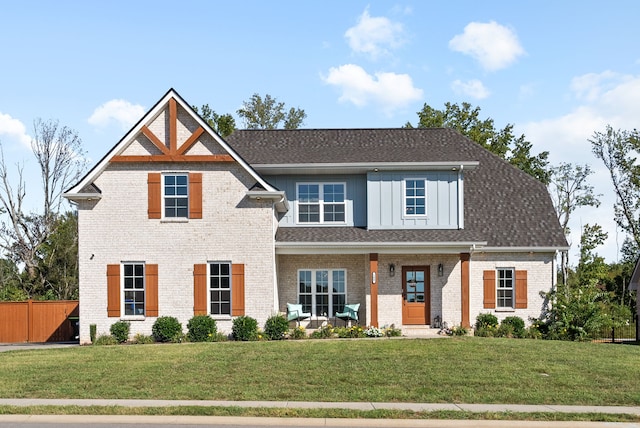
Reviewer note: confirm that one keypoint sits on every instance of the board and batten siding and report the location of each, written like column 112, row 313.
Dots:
column 355, row 198
column 385, row 193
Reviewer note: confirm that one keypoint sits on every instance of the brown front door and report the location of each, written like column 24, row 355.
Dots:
column 416, row 298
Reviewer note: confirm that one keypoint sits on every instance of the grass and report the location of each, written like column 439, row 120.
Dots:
column 459, row 370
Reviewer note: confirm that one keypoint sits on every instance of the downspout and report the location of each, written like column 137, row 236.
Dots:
column 460, row 198
column 274, row 229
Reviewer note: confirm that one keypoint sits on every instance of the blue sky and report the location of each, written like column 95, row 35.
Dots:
column 558, row 71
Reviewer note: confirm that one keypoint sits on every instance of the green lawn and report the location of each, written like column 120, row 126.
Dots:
column 464, row 370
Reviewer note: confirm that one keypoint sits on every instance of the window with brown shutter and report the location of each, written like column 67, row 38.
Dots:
column 151, row 290
column 237, row 290
column 154, row 182
column 200, row 289
column 113, row 290
column 521, row 289
column 489, row 281
column 195, row 195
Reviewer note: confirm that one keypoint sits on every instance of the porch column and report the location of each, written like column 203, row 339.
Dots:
column 464, row 284
column 373, row 278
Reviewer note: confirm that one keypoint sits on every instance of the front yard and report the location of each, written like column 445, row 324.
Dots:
column 463, row 370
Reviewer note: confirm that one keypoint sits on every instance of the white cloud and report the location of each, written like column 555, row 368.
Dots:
column 391, row 91
column 473, row 88
column 605, row 98
column 492, row 44
column 374, row 36
column 121, row 112
column 14, row 129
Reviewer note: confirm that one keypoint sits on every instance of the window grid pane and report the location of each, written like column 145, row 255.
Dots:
column 504, row 292
column 176, row 195
column 322, row 292
column 321, row 203
column 220, row 288
column 415, row 200
column 133, row 284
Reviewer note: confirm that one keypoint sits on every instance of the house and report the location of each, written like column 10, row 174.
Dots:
column 634, row 285
column 417, row 225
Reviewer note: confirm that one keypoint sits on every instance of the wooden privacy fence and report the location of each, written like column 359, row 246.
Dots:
column 38, row 321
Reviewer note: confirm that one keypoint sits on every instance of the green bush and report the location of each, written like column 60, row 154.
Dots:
column 276, row 327
column 92, row 332
column 324, row 332
column 245, row 328
column 514, row 326
column 457, row 331
column 202, row 328
column 167, row 329
column 486, row 320
column 298, row 333
column 349, row 332
column 392, row 331
column 142, row 339
column 488, row 331
column 105, row 339
column 120, row 331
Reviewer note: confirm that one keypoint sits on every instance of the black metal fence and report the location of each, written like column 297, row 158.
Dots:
column 625, row 333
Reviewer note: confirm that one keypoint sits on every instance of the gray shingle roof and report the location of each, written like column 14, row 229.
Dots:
column 503, row 205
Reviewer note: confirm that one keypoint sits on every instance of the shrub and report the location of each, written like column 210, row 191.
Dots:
column 324, row 332
column 485, row 331
column 202, row 328
column 486, row 320
column 167, row 329
column 373, row 332
column 392, row 331
column 105, row 339
column 276, row 327
column 92, row 332
column 120, row 331
column 514, row 325
column 298, row 333
column 142, row 339
column 457, row 331
column 349, row 332
column 245, row 328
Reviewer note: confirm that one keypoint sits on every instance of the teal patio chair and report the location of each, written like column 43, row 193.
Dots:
column 350, row 313
column 295, row 313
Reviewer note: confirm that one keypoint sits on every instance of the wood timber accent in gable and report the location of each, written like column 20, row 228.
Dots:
column 173, row 153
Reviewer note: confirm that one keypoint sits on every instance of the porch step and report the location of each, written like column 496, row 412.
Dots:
column 420, row 331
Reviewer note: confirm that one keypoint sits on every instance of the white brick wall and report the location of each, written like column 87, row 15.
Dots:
column 116, row 229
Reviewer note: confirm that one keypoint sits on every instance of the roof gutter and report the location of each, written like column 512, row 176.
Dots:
column 278, row 198
column 374, row 247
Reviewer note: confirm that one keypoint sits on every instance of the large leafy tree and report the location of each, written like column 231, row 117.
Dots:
column 268, row 113
column 502, row 142
column 569, row 191
column 60, row 158
column 223, row 124
column 618, row 150
column 59, row 259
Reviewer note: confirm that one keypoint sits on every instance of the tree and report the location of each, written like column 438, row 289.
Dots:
column 58, row 264
column 618, row 150
column 224, row 124
column 60, row 158
column 569, row 191
column 268, row 113
column 502, row 142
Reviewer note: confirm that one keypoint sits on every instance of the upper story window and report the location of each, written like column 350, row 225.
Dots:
column 133, row 288
column 505, row 288
column 415, row 197
column 321, row 203
column 176, row 195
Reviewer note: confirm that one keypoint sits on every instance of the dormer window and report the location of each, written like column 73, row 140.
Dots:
column 414, row 197
column 321, row 203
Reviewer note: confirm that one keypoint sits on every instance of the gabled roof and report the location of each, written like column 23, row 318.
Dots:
column 504, row 207
column 169, row 101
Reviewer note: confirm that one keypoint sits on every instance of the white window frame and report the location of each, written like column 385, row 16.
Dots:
column 209, row 289
column 500, row 286
column 321, row 202
column 404, row 197
column 314, row 294
column 123, row 302
column 165, row 196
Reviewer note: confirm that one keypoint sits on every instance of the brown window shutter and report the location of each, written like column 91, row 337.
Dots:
column 154, row 182
column 151, row 290
column 237, row 290
column 113, row 290
column 489, row 280
column 195, row 195
column 200, row 289
column 521, row 289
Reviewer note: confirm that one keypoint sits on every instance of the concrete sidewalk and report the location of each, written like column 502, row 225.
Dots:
column 478, row 408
